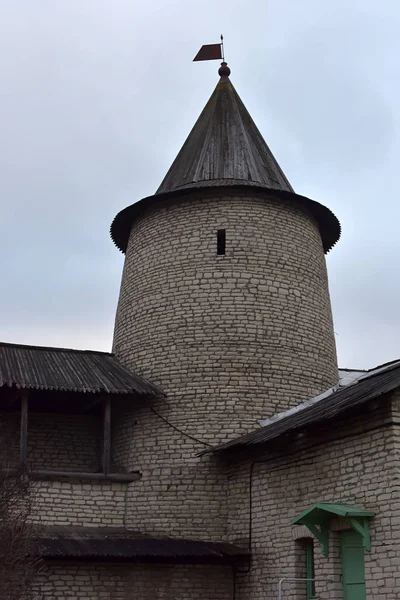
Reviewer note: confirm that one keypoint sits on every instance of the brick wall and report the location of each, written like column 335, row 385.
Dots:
column 66, row 580
column 355, row 462
column 178, row 495
column 79, row 503
column 64, row 442
column 58, row 442
column 92, row 581
column 230, row 339
column 249, row 332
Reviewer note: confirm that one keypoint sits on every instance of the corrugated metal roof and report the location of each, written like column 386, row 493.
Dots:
column 366, row 387
column 63, row 369
column 347, row 376
column 225, row 149
column 102, row 543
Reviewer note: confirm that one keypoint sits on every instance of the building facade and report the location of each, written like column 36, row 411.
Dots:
column 217, row 452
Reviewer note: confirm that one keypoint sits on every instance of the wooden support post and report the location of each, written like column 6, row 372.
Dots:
column 106, row 435
column 23, row 441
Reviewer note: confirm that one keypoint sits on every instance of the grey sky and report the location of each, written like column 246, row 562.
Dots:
column 98, row 96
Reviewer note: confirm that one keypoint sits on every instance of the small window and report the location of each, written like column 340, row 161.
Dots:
column 221, row 241
column 310, row 569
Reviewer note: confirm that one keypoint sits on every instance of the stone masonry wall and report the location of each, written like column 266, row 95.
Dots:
column 58, row 442
column 66, row 442
column 81, row 503
column 249, row 332
column 91, row 581
column 355, row 462
column 231, row 339
column 179, row 494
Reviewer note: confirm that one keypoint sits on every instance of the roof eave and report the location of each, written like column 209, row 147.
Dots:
column 328, row 223
column 332, row 509
column 352, row 396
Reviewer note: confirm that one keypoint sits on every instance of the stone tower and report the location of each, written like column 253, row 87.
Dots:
column 224, row 303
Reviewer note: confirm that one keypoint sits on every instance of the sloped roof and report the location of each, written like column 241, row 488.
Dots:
column 225, row 143
column 64, row 369
column 319, row 511
column 120, row 544
column 326, row 406
column 225, row 149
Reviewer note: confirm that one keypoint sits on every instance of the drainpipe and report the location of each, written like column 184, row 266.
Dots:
column 283, row 579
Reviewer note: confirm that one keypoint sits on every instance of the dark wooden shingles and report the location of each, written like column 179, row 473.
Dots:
column 68, row 542
column 62, row 369
column 225, row 143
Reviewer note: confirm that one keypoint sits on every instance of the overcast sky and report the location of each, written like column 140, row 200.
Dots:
column 97, row 97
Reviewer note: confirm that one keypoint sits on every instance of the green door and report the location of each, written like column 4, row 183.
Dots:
column 353, row 567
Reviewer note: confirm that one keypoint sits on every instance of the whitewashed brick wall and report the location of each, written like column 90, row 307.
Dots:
column 64, row 581
column 231, row 339
column 67, row 442
column 353, row 462
column 80, row 503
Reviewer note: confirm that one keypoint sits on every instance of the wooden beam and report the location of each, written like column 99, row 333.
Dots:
column 106, row 458
column 23, row 440
column 57, row 475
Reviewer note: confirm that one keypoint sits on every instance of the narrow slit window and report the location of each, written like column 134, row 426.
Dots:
column 221, row 241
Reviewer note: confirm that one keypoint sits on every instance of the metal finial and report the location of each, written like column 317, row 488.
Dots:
column 224, row 70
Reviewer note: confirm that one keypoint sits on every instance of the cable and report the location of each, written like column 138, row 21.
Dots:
column 191, row 437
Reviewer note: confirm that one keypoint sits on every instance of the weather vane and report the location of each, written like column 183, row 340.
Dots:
column 211, row 51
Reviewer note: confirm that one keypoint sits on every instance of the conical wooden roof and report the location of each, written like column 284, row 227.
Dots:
column 225, row 149
column 224, row 145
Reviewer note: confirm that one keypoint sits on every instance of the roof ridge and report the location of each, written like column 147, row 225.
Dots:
column 386, row 364
column 55, row 348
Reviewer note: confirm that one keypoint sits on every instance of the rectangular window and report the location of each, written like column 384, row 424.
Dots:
column 310, row 569
column 221, row 241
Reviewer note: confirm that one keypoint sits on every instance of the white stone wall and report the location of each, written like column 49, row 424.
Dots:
column 248, row 333
column 179, row 494
column 56, row 441
column 91, row 581
column 355, row 462
column 231, row 339
column 64, row 442
column 79, row 502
